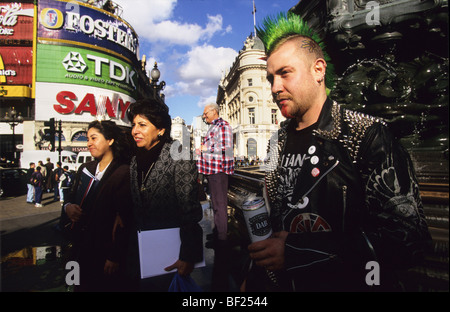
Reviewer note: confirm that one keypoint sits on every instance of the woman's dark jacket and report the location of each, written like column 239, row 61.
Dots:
column 366, row 190
column 170, row 200
column 111, row 197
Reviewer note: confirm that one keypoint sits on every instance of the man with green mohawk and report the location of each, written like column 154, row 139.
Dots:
column 344, row 201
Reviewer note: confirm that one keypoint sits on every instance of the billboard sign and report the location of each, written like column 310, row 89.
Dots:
column 76, row 23
column 16, row 65
column 77, row 103
column 16, row 22
column 76, row 65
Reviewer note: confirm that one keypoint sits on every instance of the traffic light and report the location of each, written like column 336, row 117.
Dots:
column 50, row 133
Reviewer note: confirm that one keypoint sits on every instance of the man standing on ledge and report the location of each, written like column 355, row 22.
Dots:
column 216, row 162
column 343, row 194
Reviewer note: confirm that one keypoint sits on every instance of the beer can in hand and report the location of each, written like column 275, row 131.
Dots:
column 257, row 219
column 258, row 224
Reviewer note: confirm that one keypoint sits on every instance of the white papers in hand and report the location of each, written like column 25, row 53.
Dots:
column 158, row 249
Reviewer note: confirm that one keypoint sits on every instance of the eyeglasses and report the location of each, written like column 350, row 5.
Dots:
column 205, row 113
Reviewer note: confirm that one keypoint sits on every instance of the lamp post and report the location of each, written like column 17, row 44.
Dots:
column 154, row 75
column 13, row 119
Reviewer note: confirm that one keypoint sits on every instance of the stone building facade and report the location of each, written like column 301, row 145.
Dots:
column 246, row 102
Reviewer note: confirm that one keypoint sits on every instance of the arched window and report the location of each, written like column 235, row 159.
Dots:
column 80, row 136
column 63, row 138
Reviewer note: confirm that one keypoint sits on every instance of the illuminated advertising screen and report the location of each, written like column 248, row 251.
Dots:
column 76, row 65
column 16, row 22
column 86, row 60
column 78, row 103
column 75, row 23
column 16, row 65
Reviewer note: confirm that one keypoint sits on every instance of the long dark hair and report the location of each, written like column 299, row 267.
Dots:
column 110, row 130
column 155, row 111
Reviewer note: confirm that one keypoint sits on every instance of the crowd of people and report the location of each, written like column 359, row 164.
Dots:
column 247, row 161
column 45, row 178
column 341, row 191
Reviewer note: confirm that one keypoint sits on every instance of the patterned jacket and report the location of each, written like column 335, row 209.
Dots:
column 361, row 199
column 171, row 200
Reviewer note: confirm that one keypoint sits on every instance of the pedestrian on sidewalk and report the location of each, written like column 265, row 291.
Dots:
column 30, row 193
column 164, row 192
column 99, row 248
column 48, row 176
column 38, row 183
column 216, row 162
column 44, row 174
column 56, row 175
column 65, row 183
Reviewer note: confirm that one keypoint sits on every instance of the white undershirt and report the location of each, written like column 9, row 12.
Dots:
column 98, row 177
column 98, row 173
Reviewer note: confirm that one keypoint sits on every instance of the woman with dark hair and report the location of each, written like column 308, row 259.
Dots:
column 100, row 195
column 164, row 190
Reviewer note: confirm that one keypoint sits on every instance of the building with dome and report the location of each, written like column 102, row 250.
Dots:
column 245, row 100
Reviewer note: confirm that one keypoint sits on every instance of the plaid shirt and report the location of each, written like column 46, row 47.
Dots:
column 219, row 154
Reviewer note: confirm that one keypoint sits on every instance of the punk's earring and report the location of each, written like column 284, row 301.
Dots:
column 159, row 135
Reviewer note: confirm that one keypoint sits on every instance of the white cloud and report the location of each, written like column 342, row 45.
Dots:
column 142, row 14
column 172, row 32
column 206, row 100
column 155, row 25
column 208, row 62
column 196, row 72
column 201, row 73
column 214, row 25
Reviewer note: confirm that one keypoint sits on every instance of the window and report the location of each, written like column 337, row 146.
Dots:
column 82, row 160
column 250, row 99
column 250, row 82
column 80, row 137
column 274, row 117
column 251, row 116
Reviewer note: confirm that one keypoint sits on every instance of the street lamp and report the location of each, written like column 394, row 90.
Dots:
column 13, row 119
column 154, row 75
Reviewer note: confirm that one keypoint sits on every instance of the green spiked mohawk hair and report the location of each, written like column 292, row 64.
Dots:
column 283, row 26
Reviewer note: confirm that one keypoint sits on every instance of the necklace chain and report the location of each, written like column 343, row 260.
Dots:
column 143, row 188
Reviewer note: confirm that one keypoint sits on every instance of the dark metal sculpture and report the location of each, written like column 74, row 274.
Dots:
column 391, row 60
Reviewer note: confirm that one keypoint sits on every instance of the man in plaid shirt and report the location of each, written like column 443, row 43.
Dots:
column 217, row 146
column 216, row 162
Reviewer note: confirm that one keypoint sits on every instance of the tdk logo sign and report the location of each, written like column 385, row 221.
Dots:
column 75, row 63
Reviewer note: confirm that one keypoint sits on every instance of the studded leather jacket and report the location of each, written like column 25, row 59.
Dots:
column 362, row 204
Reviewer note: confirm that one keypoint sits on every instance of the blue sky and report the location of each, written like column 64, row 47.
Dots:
column 194, row 42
